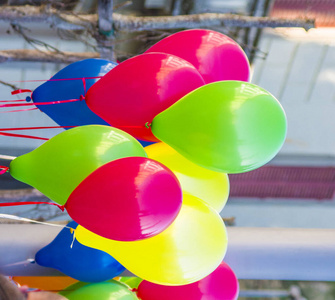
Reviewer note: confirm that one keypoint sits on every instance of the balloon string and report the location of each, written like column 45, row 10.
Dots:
column 23, row 262
column 84, row 84
column 33, row 128
column 3, row 169
column 20, row 100
column 60, row 79
column 146, row 125
column 20, row 91
column 23, row 136
column 42, row 103
column 61, row 207
column 17, row 110
column 29, row 128
column 12, row 217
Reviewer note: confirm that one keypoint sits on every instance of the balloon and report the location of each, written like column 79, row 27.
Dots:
column 127, row 199
column 78, row 261
column 111, row 290
column 225, row 126
column 60, row 164
column 132, row 282
column 187, row 251
column 139, row 88
column 72, row 113
column 211, row 187
column 216, row 56
column 222, row 284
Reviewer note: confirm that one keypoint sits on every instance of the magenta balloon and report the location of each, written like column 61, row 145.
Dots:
column 221, row 284
column 127, row 199
column 216, row 56
column 140, row 88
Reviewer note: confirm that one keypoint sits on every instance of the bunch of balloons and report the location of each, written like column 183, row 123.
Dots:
column 153, row 210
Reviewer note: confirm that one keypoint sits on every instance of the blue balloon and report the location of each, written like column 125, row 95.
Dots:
column 79, row 262
column 72, row 113
column 146, row 143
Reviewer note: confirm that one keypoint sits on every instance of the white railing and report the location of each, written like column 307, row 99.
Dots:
column 253, row 253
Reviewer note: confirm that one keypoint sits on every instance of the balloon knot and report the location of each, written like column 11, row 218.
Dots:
column 147, row 125
column 3, row 169
column 134, row 290
column 61, row 207
column 81, row 98
column 28, row 99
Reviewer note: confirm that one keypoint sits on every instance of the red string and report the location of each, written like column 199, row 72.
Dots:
column 40, row 103
column 61, row 207
column 61, row 79
column 84, row 84
column 29, row 128
column 17, row 110
column 3, row 169
column 139, row 126
column 33, row 128
column 23, row 136
column 20, row 91
column 1, row 101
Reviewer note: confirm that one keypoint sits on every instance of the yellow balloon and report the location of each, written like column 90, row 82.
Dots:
column 210, row 186
column 187, row 251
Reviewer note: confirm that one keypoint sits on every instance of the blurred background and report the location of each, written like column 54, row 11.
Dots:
column 294, row 190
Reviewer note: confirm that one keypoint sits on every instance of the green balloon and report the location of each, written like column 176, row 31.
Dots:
column 132, row 282
column 58, row 166
column 225, row 126
column 111, row 290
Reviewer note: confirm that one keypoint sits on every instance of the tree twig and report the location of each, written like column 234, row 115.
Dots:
column 131, row 23
column 44, row 56
column 12, row 86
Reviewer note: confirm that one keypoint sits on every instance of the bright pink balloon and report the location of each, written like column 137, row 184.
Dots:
column 216, row 56
column 136, row 90
column 222, row 284
column 127, row 199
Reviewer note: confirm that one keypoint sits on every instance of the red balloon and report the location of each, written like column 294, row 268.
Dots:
column 136, row 90
column 216, row 56
column 222, row 284
column 127, row 199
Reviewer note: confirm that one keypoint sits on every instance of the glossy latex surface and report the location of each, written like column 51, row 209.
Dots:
column 73, row 113
column 225, row 126
column 111, row 290
column 60, row 164
column 216, row 56
column 139, row 88
column 78, row 261
column 209, row 186
column 187, row 251
column 220, row 284
column 127, row 199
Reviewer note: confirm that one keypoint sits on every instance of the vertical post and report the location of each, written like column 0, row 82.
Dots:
column 106, row 34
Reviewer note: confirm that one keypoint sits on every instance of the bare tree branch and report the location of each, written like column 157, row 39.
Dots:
column 132, row 23
column 39, row 56
column 27, row 13
column 31, row 41
column 12, row 86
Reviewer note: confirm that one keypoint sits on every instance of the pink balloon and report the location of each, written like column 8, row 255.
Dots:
column 222, row 284
column 127, row 199
column 136, row 90
column 216, row 56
